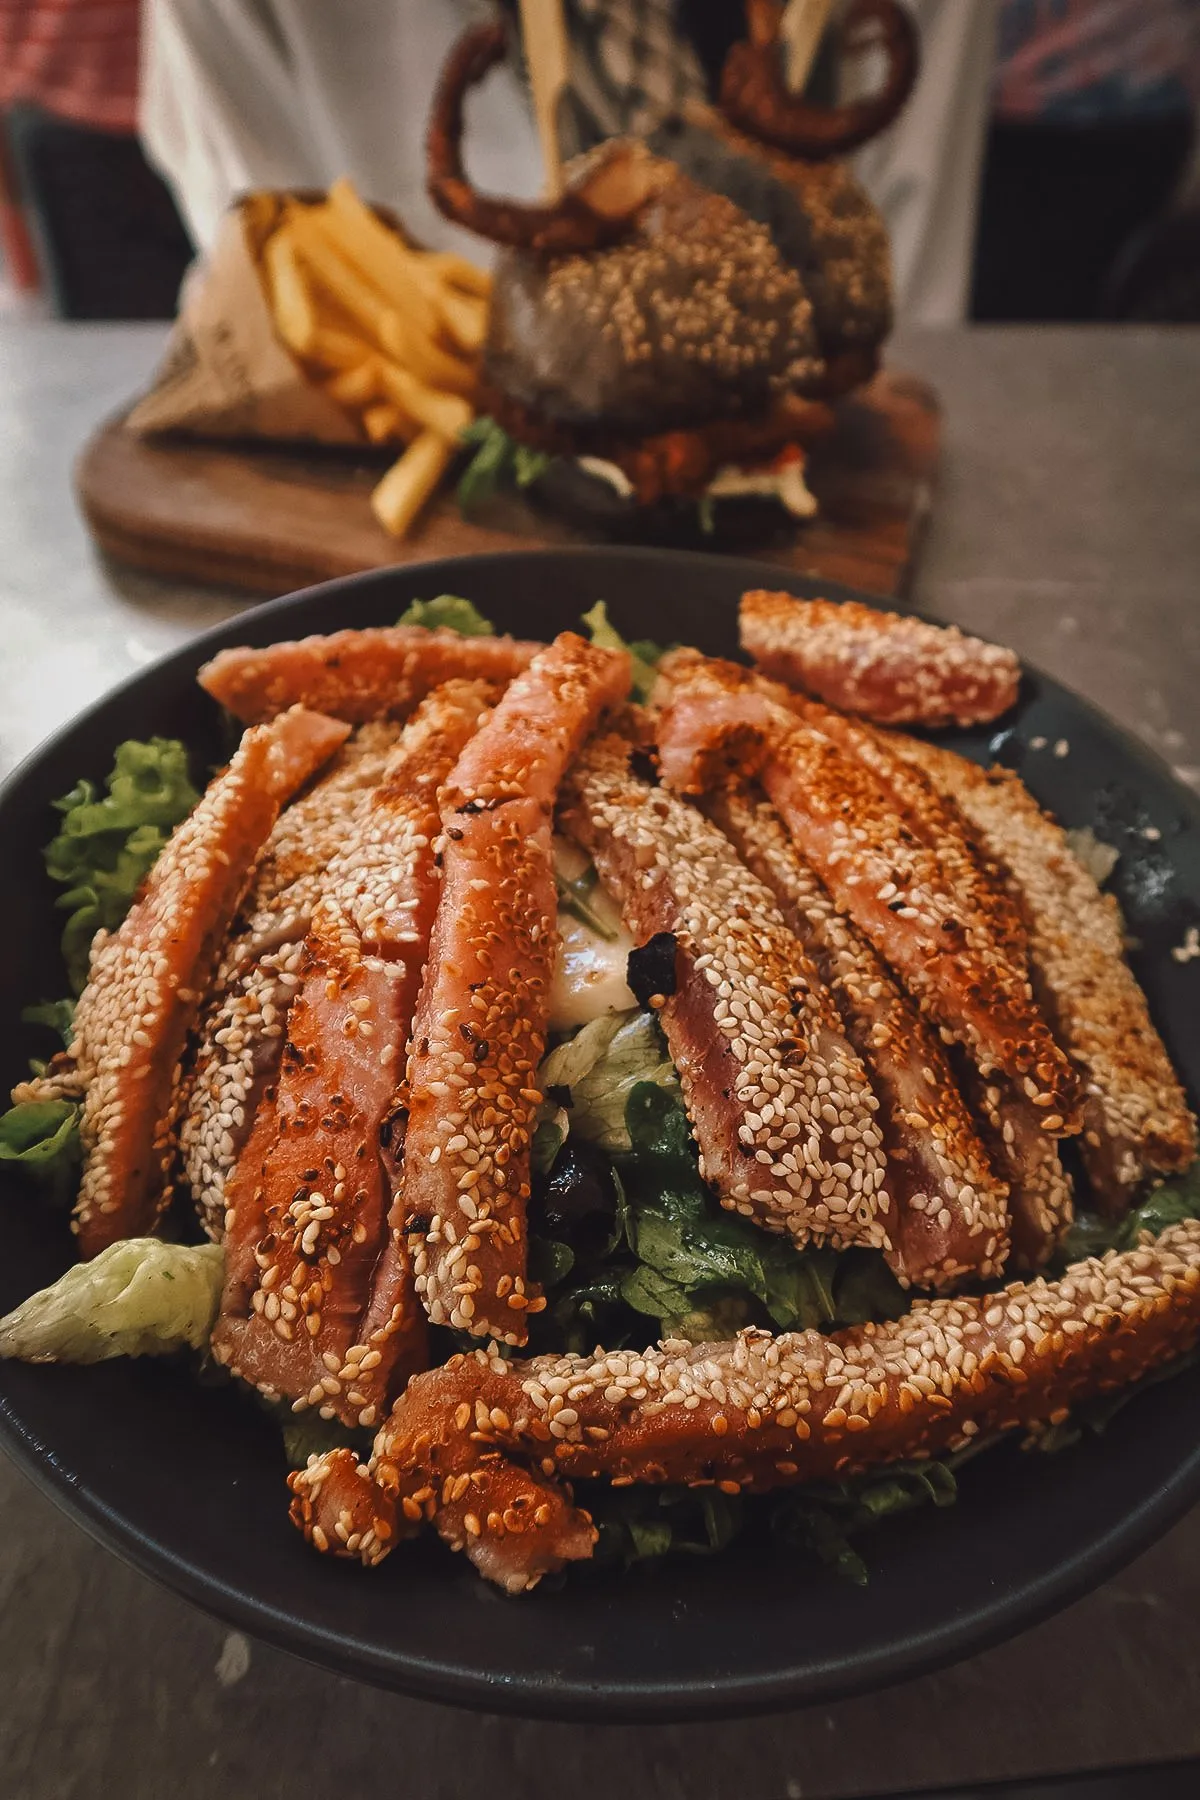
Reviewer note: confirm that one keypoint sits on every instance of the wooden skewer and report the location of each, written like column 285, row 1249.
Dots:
column 800, row 30
column 545, row 36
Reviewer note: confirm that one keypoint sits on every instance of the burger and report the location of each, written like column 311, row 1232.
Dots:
column 666, row 339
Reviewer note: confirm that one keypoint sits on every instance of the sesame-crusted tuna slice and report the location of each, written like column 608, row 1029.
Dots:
column 1136, row 1116
column 979, row 886
column 147, row 978
column 319, row 1307
column 480, row 1028
column 1041, row 1200
column 846, row 824
column 1040, row 1192
column 950, row 1211
column 780, row 1105
column 380, row 672
column 886, row 666
column 514, row 1524
column 762, row 1412
column 237, row 1043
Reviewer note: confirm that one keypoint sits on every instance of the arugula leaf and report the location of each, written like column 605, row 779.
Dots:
column 639, row 1524
column 448, row 612
column 822, row 1517
column 1167, row 1205
column 644, row 652
column 57, row 1015
column 550, row 1261
column 701, row 1264
column 308, row 1434
column 107, row 844
column 659, row 1134
column 548, row 1139
column 1091, row 1235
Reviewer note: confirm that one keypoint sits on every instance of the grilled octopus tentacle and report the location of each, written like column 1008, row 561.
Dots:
column 765, row 1411
column 596, row 211
column 755, row 97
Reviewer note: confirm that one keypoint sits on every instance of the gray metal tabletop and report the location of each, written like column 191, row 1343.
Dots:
column 1066, row 523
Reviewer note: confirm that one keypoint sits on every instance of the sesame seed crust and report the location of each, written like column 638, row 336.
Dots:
column 886, row 666
column 480, row 1027
column 237, row 1043
column 837, row 239
column 950, row 1211
column 147, row 979
column 692, row 316
column 767, row 1412
column 1040, row 1191
column 846, row 824
column 381, row 672
column 779, row 1102
column 1136, row 1116
column 319, row 1307
column 980, row 888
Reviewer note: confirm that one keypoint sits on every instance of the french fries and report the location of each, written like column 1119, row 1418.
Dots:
column 391, row 333
column 408, row 483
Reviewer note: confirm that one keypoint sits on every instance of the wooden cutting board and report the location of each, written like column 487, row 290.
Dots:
column 269, row 519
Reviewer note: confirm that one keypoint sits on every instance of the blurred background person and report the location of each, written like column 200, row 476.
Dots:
column 293, row 93
column 106, row 238
column 1092, row 130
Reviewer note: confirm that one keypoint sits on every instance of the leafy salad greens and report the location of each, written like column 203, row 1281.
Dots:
column 497, row 460
column 448, row 612
column 105, row 846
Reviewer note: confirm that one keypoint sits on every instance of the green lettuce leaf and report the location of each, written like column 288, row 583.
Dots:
column 448, row 612
column 600, row 1067
column 42, row 1138
column 497, row 460
column 644, row 651
column 107, row 843
column 140, row 1297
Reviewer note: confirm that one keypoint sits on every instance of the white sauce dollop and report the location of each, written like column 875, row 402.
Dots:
column 589, row 975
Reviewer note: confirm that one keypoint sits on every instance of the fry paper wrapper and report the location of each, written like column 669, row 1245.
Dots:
column 225, row 374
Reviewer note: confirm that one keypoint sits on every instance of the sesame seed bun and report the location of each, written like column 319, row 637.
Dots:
column 693, row 316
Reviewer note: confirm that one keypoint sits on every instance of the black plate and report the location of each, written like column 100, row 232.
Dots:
column 187, row 1482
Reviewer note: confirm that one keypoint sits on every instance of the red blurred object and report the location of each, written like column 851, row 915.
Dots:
column 78, row 59
column 16, row 243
